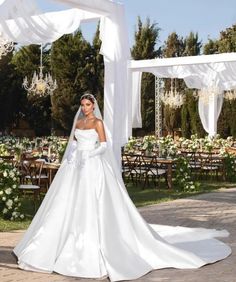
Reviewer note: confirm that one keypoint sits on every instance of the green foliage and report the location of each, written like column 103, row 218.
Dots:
column 229, row 167
column 190, row 120
column 9, row 92
column 192, row 45
column 9, row 193
column 183, row 176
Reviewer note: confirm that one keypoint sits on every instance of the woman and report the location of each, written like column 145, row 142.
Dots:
column 87, row 226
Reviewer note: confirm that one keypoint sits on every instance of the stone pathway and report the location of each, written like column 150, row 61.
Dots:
column 213, row 210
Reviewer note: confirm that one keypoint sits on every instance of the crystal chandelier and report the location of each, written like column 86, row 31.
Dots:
column 207, row 94
column 172, row 98
column 6, row 46
column 230, row 95
column 40, row 85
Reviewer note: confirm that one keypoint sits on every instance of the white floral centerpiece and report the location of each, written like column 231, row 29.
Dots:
column 130, row 146
column 9, row 193
column 167, row 147
column 149, row 142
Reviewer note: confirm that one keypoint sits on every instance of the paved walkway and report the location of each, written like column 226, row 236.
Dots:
column 213, row 210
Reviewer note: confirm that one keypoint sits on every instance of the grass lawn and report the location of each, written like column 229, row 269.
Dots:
column 141, row 197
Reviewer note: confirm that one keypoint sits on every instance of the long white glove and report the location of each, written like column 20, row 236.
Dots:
column 71, row 152
column 99, row 150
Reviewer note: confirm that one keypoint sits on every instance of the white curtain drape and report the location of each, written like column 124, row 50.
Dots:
column 33, row 27
column 199, row 72
column 209, row 112
column 136, row 78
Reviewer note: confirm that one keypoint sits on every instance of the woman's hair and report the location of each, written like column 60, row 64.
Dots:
column 89, row 97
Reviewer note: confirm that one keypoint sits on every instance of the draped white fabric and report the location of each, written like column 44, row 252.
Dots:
column 209, row 113
column 198, row 72
column 136, row 78
column 34, row 27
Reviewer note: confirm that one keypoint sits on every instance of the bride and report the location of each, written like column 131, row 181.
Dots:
column 87, row 226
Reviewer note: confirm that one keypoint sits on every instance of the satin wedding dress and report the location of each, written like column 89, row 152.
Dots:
column 87, row 226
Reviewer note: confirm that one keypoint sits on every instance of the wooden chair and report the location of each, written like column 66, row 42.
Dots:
column 155, row 171
column 30, row 179
column 209, row 165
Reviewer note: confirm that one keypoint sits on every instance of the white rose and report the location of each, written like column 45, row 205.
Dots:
column 9, row 203
column 5, row 211
column 5, row 174
column 14, row 186
column 1, row 192
column 4, row 198
column 8, row 191
column 16, row 199
column 22, row 216
column 14, row 178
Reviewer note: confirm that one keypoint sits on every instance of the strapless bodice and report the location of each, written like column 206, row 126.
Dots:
column 87, row 139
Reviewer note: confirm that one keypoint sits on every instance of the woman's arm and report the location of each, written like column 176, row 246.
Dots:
column 100, row 130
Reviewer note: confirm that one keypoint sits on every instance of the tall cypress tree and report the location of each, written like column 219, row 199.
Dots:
column 9, row 93
column 146, row 37
column 97, row 67
column 71, row 57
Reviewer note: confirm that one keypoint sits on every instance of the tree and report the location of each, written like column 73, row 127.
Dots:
column 192, row 45
column 97, row 69
column 146, row 37
column 72, row 59
column 9, row 93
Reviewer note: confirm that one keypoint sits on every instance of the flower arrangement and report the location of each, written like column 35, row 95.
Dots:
column 3, row 150
column 131, row 144
column 183, row 176
column 167, row 147
column 9, row 193
column 149, row 142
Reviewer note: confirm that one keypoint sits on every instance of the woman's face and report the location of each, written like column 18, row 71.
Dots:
column 86, row 106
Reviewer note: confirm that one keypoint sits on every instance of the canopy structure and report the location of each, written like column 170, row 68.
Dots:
column 199, row 72
column 22, row 22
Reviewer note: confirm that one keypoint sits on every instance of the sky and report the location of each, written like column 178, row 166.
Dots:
column 207, row 17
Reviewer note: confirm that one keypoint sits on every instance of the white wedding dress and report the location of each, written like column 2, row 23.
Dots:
column 87, row 226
